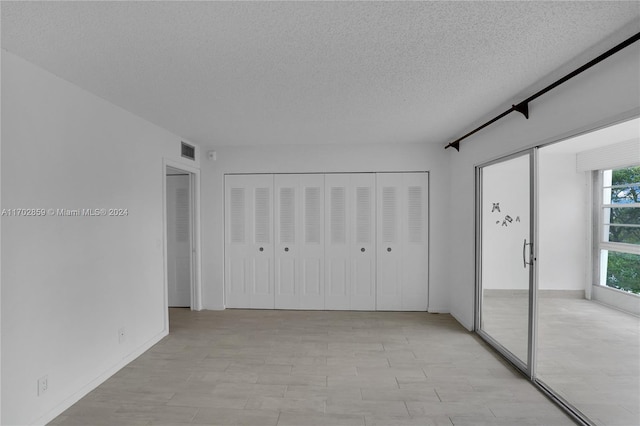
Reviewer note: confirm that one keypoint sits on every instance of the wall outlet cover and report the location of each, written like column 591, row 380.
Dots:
column 43, row 384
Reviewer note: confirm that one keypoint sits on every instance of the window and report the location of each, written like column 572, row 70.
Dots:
column 619, row 228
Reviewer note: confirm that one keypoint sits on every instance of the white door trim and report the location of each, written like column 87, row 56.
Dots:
column 196, row 260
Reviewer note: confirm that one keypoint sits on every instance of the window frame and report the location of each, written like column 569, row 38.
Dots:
column 599, row 244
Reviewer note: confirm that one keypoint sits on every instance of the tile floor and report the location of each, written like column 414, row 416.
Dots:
column 298, row 368
column 588, row 353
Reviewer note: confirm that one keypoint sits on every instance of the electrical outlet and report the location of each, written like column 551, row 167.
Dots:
column 121, row 335
column 43, row 384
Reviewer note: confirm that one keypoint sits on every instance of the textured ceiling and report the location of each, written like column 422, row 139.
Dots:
column 250, row 73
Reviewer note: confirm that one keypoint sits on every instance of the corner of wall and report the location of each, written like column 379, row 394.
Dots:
column 466, row 324
column 1, row 245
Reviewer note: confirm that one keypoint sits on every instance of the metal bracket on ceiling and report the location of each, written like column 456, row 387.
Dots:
column 522, row 108
column 455, row 144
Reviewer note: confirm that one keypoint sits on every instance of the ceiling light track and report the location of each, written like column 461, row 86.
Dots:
column 523, row 107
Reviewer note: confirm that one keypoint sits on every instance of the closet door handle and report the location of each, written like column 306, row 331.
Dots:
column 388, row 248
column 261, row 249
column 286, row 249
column 362, row 249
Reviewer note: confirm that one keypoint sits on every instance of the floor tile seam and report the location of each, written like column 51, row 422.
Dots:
column 195, row 415
column 425, row 373
column 490, row 410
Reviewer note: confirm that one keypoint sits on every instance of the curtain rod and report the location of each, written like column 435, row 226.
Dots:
column 523, row 107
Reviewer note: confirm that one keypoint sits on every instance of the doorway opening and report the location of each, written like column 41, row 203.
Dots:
column 181, row 236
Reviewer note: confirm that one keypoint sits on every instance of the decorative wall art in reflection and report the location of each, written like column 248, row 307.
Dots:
column 507, row 220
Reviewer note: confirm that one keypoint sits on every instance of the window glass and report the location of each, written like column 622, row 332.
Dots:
column 620, row 229
column 622, row 271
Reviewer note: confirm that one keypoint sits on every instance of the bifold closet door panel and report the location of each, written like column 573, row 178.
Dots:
column 350, row 241
column 363, row 237
column 299, row 244
column 402, row 249
column 249, row 241
column 312, row 242
column 415, row 259
column 337, row 242
column 389, row 271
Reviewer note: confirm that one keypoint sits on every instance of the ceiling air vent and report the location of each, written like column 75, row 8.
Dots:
column 188, row 151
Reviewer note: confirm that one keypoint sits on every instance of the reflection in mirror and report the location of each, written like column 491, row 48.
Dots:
column 505, row 252
column 588, row 340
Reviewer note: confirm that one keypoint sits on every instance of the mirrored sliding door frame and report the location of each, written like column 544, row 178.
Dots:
column 526, row 367
column 529, row 368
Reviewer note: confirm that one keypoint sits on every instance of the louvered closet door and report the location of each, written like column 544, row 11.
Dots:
column 312, row 242
column 402, row 272
column 350, row 241
column 299, row 248
column 249, row 241
column 337, row 242
column 363, row 225
column 178, row 241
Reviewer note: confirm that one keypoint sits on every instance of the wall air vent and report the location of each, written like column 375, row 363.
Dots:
column 188, row 151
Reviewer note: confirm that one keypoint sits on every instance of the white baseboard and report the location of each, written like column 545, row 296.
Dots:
column 75, row 397
column 617, row 299
column 542, row 293
column 561, row 294
column 214, row 308
column 438, row 310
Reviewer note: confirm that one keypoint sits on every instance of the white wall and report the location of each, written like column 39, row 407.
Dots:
column 69, row 283
column 599, row 96
column 323, row 158
column 563, row 213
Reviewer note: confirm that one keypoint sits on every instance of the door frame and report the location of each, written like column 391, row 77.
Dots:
column 194, row 209
column 527, row 367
